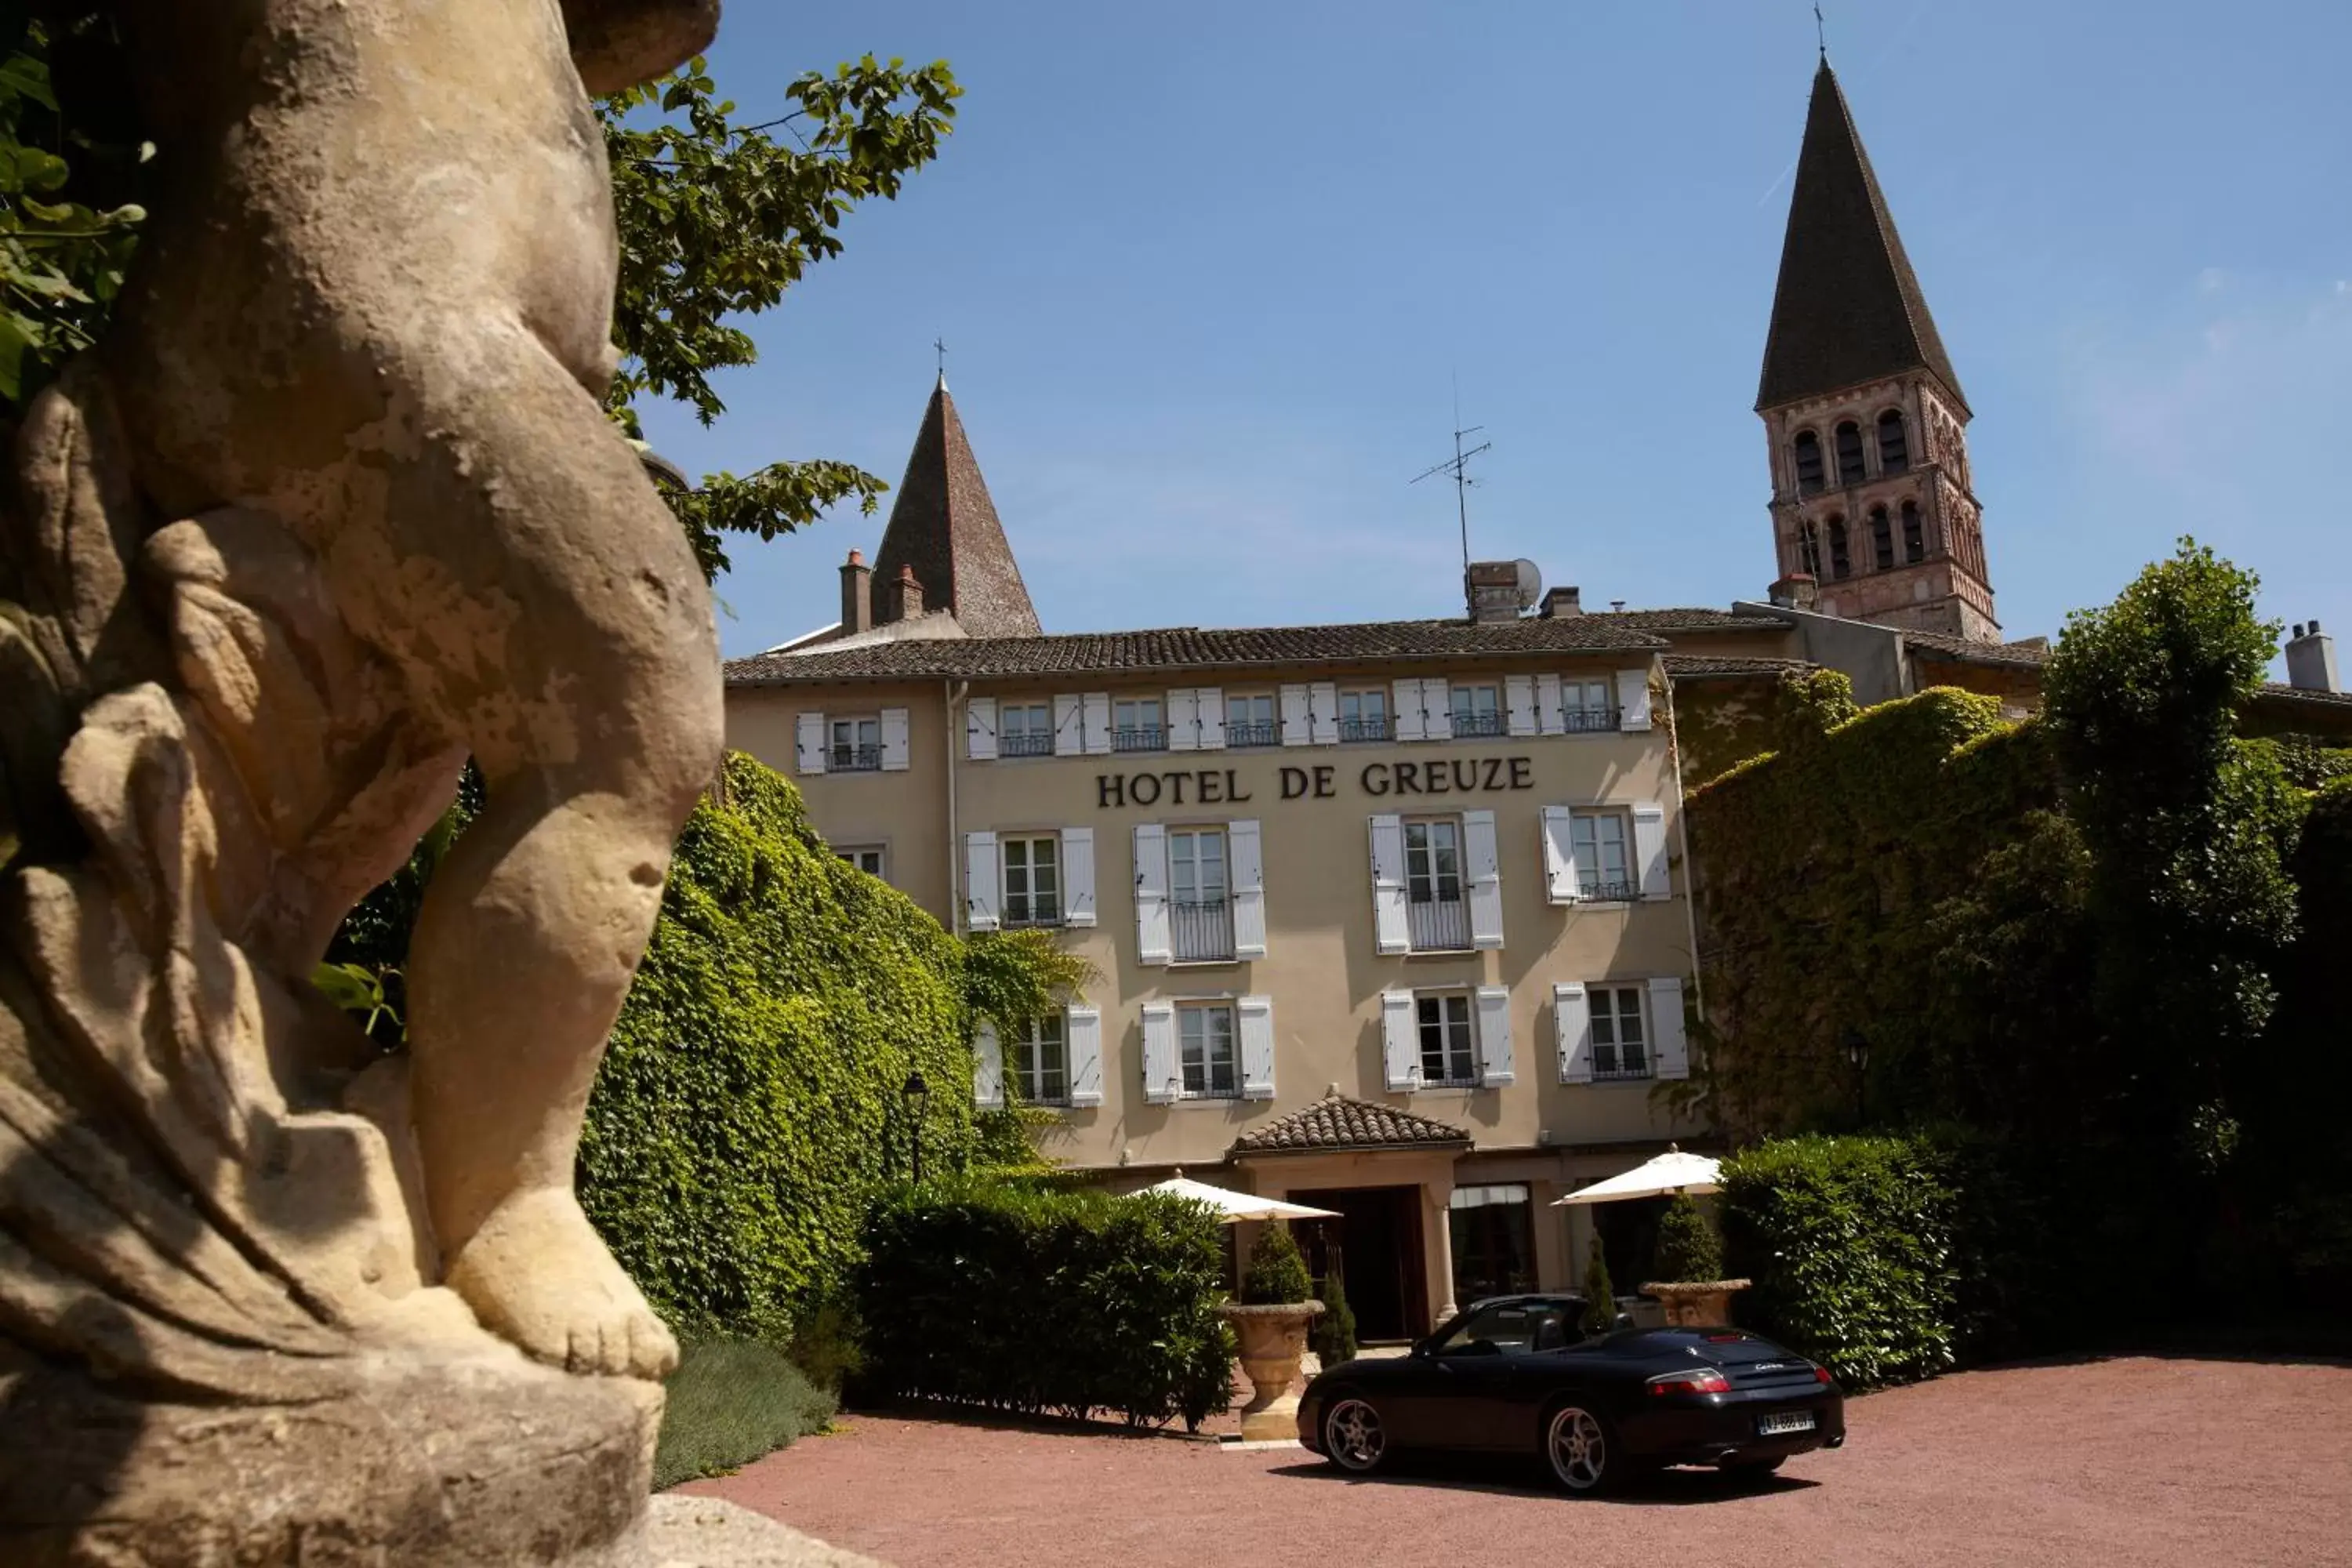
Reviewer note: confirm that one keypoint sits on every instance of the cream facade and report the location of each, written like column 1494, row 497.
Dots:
column 1449, row 891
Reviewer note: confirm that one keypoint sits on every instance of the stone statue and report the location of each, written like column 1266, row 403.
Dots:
column 333, row 507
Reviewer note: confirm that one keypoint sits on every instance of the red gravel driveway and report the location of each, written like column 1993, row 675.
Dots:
column 2140, row 1461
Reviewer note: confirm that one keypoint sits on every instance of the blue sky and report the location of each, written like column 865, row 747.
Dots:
column 1208, row 274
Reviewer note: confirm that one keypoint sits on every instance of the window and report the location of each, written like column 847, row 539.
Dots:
column 1809, row 463
column 1840, row 559
column 1586, row 706
column 1135, row 725
column 1894, row 446
column 1604, row 871
column 1041, row 1063
column 1495, row 1255
column 1250, row 721
column 1915, row 543
column 1033, row 881
column 1478, row 711
column 1025, row 730
column 1204, row 1044
column 1446, row 1058
column 1620, row 1048
column 1882, row 539
column 1200, row 912
column 1849, row 453
column 867, row 858
column 856, row 746
column 1809, row 550
column 1364, row 715
column 1511, row 1327
column 1436, row 919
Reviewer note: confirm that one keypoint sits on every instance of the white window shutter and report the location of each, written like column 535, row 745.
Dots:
column 1082, row 1027
column 1484, row 864
column 1161, row 1079
column 1633, row 699
column 1436, row 710
column 987, row 1068
column 810, row 733
column 1519, row 697
column 1407, row 697
column 1400, row 1046
column 894, row 740
column 1559, row 855
column 1389, row 933
column 1323, row 703
column 1571, row 1012
column 1213, row 718
column 1298, row 727
column 1255, row 1014
column 980, row 730
column 1183, row 719
column 1069, row 724
column 1153, row 942
column 1669, row 1047
column 1650, row 849
column 1550, row 718
column 1097, row 727
column 1249, row 890
column 1495, row 1035
column 980, row 884
column 1078, row 876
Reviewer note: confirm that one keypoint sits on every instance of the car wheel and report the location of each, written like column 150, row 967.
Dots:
column 1353, row 1436
column 1580, row 1449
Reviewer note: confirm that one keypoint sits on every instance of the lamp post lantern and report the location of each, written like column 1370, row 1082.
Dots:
column 915, row 1093
column 1857, row 1057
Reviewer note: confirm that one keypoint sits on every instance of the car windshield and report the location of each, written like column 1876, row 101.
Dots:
column 1512, row 1327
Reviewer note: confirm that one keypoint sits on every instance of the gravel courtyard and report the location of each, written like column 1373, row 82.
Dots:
column 2142, row 1462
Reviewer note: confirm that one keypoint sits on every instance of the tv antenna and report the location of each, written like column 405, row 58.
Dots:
column 1459, row 467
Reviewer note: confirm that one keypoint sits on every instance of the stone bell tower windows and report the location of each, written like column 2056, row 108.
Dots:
column 1882, row 539
column 1915, row 548
column 1841, row 557
column 1849, row 453
column 1894, row 447
column 1810, row 480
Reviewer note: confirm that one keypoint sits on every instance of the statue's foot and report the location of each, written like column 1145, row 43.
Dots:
column 537, row 1274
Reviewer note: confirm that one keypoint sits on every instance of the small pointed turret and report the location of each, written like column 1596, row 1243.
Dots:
column 944, row 528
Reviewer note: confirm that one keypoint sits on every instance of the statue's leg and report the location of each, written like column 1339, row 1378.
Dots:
column 546, row 606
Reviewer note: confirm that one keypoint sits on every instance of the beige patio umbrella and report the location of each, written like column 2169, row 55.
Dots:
column 1672, row 1172
column 1232, row 1206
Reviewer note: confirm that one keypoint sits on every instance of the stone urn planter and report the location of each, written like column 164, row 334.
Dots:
column 1696, row 1304
column 1273, row 1339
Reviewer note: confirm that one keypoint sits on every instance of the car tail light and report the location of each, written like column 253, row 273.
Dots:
column 1822, row 1375
column 1689, row 1383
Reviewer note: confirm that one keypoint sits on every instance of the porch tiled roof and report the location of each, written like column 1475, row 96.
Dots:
column 1691, row 666
column 1337, row 1121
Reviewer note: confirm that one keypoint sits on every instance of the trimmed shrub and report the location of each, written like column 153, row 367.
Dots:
column 1037, row 1298
column 730, row 1402
column 1688, row 1249
column 1850, row 1243
column 1601, row 1296
column 1334, row 1338
column 1276, row 1275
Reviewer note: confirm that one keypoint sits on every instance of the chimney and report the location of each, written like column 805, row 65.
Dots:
column 1562, row 603
column 2311, row 661
column 910, row 594
column 1797, row 591
column 856, row 595
column 1493, row 590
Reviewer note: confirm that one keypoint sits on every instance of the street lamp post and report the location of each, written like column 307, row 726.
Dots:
column 1857, row 1056
column 914, row 1092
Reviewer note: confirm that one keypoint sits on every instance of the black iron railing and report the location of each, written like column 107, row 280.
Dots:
column 1471, row 725
column 1366, row 730
column 1026, row 746
column 854, row 758
column 1266, row 734
column 1139, row 738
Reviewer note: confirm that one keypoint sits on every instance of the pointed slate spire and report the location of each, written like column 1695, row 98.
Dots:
column 1848, row 309
column 944, row 526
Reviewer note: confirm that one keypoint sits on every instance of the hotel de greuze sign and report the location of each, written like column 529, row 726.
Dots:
column 1222, row 786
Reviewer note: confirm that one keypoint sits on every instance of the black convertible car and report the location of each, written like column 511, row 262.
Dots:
column 1514, row 1374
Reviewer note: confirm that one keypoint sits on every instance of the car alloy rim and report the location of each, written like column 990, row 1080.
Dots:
column 1580, row 1449
column 1355, row 1432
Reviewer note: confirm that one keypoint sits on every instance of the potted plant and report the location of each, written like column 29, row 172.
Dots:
column 1270, row 1321
column 1694, row 1292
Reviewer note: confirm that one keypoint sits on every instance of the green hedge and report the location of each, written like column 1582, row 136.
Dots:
column 730, row 1402
column 1046, row 1299
column 1849, row 1242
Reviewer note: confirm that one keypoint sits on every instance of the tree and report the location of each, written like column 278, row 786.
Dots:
column 1688, row 1249
column 1599, row 1295
column 1276, row 1275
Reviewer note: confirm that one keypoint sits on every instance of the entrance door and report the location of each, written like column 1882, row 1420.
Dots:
column 1378, row 1239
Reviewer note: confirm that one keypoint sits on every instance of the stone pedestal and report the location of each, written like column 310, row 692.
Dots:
column 1273, row 1341
column 1700, row 1304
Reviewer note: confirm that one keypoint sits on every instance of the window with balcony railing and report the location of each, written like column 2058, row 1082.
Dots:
column 1587, row 707
column 1136, row 725
column 1025, row 730
column 1605, row 871
column 1478, row 711
column 856, row 746
column 1364, row 715
column 1436, row 918
column 1200, row 913
column 1026, row 746
column 1619, row 1044
column 1250, row 720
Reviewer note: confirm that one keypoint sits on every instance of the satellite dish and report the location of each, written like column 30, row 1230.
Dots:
column 1530, row 583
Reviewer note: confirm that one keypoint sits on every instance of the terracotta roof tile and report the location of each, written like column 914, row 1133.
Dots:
column 1967, row 650
column 1336, row 1121
column 1695, row 619
column 945, row 527
column 1689, row 666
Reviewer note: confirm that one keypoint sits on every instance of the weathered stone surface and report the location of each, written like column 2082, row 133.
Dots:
column 704, row 1532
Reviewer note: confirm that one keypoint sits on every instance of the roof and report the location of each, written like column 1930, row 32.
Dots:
column 1191, row 648
column 945, row 527
column 1693, row 619
column 1698, row 667
column 1967, row 650
column 1335, row 1121
column 1848, row 309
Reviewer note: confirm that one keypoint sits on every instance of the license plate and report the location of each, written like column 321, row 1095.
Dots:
column 1794, row 1421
